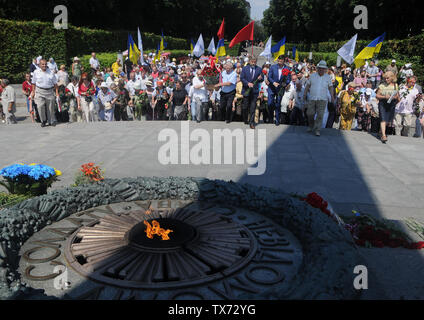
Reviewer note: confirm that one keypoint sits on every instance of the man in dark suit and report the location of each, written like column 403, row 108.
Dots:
column 251, row 77
column 279, row 76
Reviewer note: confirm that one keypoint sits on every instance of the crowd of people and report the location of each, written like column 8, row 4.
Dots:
column 231, row 89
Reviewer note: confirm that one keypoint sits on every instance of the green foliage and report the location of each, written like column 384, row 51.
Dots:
column 23, row 41
column 8, row 200
column 106, row 59
column 20, row 42
column 178, row 18
column 322, row 20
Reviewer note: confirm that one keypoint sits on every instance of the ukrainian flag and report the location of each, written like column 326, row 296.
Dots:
column 163, row 44
column 295, row 54
column 192, row 45
column 220, row 50
column 367, row 53
column 133, row 52
column 157, row 56
column 380, row 43
column 279, row 49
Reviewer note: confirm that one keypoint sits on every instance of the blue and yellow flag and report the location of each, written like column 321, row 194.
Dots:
column 158, row 53
column 279, row 49
column 192, row 45
column 380, row 43
column 133, row 52
column 366, row 53
column 295, row 54
column 163, row 44
column 220, row 50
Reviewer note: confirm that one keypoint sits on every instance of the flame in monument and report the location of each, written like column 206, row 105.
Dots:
column 156, row 230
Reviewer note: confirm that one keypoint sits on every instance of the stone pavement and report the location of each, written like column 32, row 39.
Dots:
column 353, row 170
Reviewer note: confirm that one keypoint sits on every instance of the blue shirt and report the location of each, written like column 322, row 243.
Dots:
column 232, row 77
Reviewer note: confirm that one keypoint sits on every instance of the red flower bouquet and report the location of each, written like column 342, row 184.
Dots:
column 211, row 75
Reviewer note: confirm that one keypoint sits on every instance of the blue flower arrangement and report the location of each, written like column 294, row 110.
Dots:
column 33, row 179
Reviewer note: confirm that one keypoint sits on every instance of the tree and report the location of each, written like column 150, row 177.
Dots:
column 178, row 18
column 324, row 20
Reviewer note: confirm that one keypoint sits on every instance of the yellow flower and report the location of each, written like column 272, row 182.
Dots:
column 58, row 172
column 33, row 164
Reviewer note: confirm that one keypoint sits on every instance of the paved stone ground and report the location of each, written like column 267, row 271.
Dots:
column 353, row 170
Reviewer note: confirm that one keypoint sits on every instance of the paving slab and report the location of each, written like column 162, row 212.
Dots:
column 353, row 170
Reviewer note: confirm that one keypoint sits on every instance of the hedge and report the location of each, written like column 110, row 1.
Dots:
column 331, row 59
column 20, row 42
column 413, row 46
column 106, row 59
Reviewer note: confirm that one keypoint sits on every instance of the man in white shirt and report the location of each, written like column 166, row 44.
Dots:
column 44, row 88
column 75, row 115
column 8, row 101
column 317, row 86
column 199, row 98
column 94, row 63
column 296, row 117
column 228, row 81
column 372, row 72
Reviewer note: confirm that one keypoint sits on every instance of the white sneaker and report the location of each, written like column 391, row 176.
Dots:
column 317, row 133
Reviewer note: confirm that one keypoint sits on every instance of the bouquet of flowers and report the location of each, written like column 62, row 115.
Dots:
column 33, row 179
column 89, row 173
column 211, row 75
column 356, row 98
column 168, row 82
column 141, row 103
column 285, row 73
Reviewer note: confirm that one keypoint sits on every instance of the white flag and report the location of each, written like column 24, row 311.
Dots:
column 212, row 48
column 140, row 46
column 199, row 49
column 267, row 52
column 348, row 50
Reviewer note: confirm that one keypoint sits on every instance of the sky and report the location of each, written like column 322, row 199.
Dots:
column 258, row 8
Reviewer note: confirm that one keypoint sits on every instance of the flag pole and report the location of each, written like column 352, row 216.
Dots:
column 253, row 36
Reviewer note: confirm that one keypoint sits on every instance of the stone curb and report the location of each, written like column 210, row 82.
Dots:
column 330, row 254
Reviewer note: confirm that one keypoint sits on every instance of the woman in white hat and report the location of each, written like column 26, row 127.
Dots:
column 107, row 99
column 76, row 68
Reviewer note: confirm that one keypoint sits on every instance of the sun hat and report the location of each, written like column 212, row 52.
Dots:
column 76, row 59
column 369, row 92
column 148, row 83
column 408, row 65
column 322, row 64
column 393, row 61
column 104, row 85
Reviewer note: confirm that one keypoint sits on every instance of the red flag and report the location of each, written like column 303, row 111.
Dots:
column 245, row 34
column 221, row 30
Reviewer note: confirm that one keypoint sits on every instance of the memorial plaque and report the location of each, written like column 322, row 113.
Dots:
column 161, row 249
